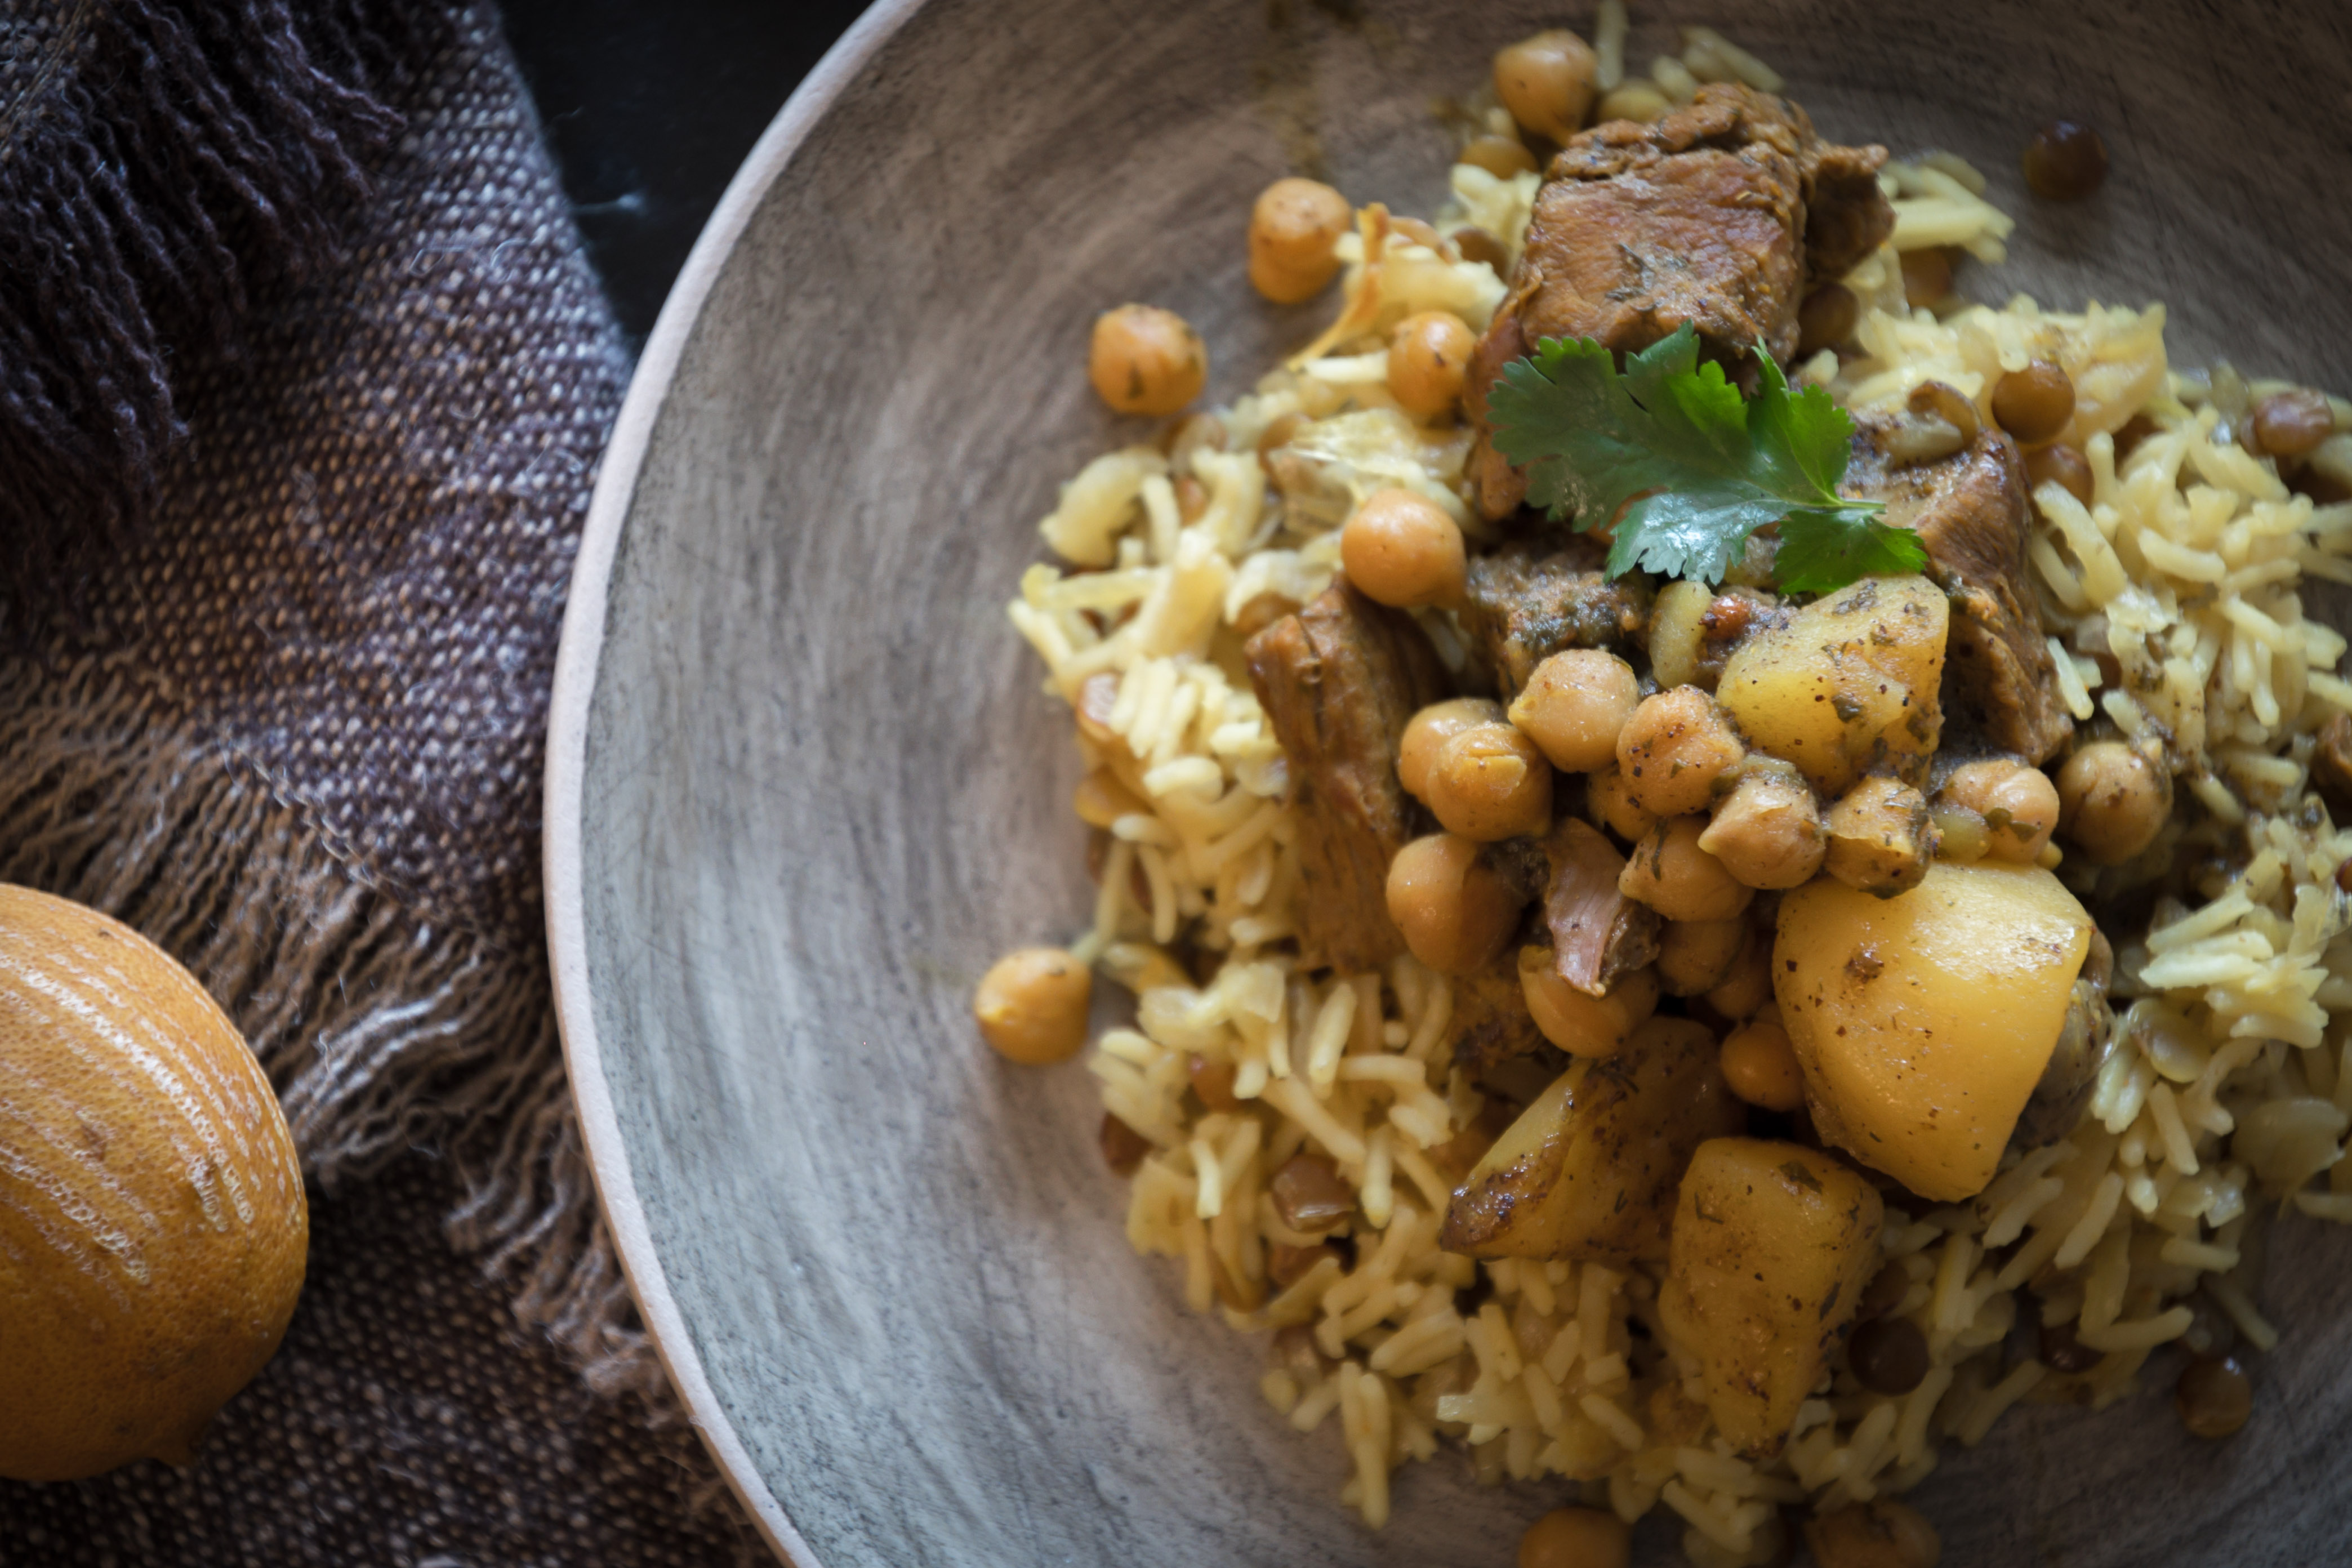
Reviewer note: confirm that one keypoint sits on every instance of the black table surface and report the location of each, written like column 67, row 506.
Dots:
column 650, row 108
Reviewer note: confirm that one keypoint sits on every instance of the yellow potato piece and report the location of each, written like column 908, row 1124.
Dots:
column 1588, row 1169
column 1772, row 1246
column 1924, row 1021
column 1848, row 684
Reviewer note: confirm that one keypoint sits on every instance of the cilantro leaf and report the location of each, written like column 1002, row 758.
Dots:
column 1686, row 466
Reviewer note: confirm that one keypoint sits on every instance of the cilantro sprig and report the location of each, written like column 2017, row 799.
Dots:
column 1694, row 466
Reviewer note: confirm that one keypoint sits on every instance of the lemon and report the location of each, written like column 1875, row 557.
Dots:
column 152, row 1226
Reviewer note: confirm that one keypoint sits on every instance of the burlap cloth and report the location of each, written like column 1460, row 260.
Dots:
column 303, row 380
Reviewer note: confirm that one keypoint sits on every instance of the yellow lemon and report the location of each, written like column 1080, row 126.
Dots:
column 152, row 1226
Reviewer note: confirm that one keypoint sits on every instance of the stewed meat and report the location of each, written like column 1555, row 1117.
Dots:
column 1339, row 679
column 1970, row 511
column 1721, row 214
column 1533, row 598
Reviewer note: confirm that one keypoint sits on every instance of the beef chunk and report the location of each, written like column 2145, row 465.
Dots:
column 2331, row 768
column 1339, row 679
column 1721, row 216
column 1533, row 598
column 1491, row 1026
column 1970, row 511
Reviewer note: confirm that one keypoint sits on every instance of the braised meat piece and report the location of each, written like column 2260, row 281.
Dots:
column 1339, row 679
column 1970, row 512
column 2331, row 768
column 1721, row 215
column 1532, row 598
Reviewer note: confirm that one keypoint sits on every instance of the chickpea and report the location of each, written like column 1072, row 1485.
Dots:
column 1670, row 873
column 1428, row 353
column 1695, row 955
column 1146, row 360
column 2062, row 465
column 1612, row 807
column 2065, row 162
column 1749, row 984
column 1575, row 704
column 2034, row 403
column 2019, row 804
column 1429, row 731
column 1760, row 1066
column 1881, row 840
column 1826, row 319
column 1926, row 276
column 1454, row 909
column 1031, row 1005
column 1578, row 1022
column 1403, row 549
column 1501, row 156
column 1880, row 1533
column 1491, row 783
column 1292, row 231
column 2289, row 424
column 1474, row 244
column 1767, row 831
column 1636, row 101
column 1674, row 748
column 2112, row 801
column 1577, row 1538
column 1546, row 81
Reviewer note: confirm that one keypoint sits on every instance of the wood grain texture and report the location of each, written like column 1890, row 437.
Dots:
column 805, row 787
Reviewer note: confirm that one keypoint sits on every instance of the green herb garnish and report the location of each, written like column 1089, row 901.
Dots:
column 1701, row 467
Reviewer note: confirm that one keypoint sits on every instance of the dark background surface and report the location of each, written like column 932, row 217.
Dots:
column 650, row 108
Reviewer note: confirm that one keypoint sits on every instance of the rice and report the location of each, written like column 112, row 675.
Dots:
column 2173, row 601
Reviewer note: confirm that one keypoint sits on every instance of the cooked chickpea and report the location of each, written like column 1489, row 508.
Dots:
column 2019, row 806
column 1577, row 1538
column 1501, row 156
column 1767, row 831
column 1546, row 80
column 1749, row 984
column 2290, row 424
column 1454, row 909
column 1880, row 837
column 1636, row 101
column 1760, row 1066
column 1428, row 353
column 1429, row 731
column 1403, row 549
column 1575, row 704
column 1146, row 360
column 1491, row 783
column 1826, row 319
column 1292, row 231
column 1612, row 807
column 2034, row 403
column 1674, row 748
column 2112, row 801
column 1880, row 1533
column 1926, row 276
column 1695, row 955
column 1581, row 1024
column 1670, row 873
column 1031, row 1005
column 2062, row 465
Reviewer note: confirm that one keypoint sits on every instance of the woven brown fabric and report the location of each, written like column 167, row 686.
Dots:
column 292, row 729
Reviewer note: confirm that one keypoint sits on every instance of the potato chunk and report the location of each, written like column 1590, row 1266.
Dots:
column 1772, row 1245
column 1849, row 684
column 1589, row 1170
column 1924, row 1022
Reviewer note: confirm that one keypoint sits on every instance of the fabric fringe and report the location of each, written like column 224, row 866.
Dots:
column 158, row 162
column 383, row 1034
